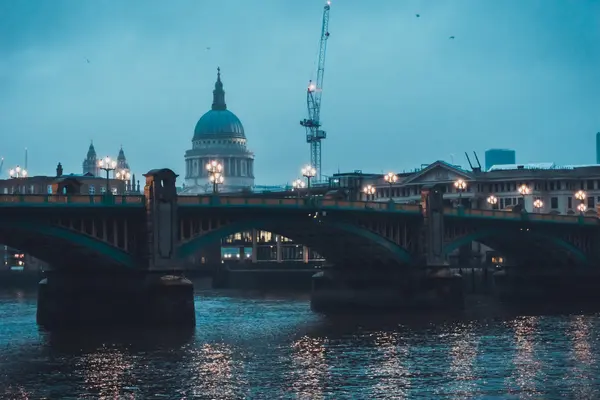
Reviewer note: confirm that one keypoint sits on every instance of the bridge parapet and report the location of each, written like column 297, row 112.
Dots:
column 69, row 200
column 516, row 216
column 308, row 203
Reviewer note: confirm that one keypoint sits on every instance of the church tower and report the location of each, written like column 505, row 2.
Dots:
column 90, row 164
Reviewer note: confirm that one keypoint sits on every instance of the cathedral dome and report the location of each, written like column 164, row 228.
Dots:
column 219, row 121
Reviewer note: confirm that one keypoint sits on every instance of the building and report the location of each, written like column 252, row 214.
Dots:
column 598, row 148
column 499, row 157
column 90, row 163
column 219, row 136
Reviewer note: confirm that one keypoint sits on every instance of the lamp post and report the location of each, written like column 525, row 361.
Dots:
column 107, row 164
column 391, row 178
column 460, row 186
column 581, row 195
column 538, row 204
column 297, row 185
column 369, row 191
column 17, row 173
column 492, row 201
column 524, row 191
column 308, row 172
column 124, row 176
column 215, row 174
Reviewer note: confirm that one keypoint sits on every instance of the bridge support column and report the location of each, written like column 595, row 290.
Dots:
column 254, row 246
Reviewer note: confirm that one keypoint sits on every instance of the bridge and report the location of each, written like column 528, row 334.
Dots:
column 158, row 231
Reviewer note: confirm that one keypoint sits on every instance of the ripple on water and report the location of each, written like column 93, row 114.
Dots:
column 266, row 347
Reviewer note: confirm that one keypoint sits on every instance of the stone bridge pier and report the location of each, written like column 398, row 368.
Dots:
column 153, row 293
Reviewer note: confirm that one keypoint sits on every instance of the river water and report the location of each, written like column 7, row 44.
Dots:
column 272, row 347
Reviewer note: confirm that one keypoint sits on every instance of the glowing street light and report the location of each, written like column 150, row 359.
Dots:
column 538, row 204
column 309, row 172
column 581, row 208
column 460, row 186
column 581, row 195
column 107, row 164
column 297, row 185
column 524, row 190
column 492, row 201
column 369, row 191
column 391, row 178
column 215, row 174
column 17, row 172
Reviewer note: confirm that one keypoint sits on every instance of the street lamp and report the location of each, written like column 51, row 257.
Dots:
column 107, row 164
column 524, row 190
column 309, row 172
column 215, row 174
column 391, row 178
column 460, row 186
column 492, row 201
column 17, row 173
column 581, row 195
column 369, row 191
column 124, row 176
column 582, row 208
column 538, row 204
column 297, row 185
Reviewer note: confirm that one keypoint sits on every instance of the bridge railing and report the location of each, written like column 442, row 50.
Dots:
column 520, row 216
column 229, row 201
column 69, row 199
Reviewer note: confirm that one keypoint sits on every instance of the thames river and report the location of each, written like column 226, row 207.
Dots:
column 273, row 347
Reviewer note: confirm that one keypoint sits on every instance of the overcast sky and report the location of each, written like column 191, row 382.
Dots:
column 521, row 74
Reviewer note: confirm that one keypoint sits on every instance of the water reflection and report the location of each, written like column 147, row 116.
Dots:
column 215, row 374
column 105, row 372
column 389, row 369
column 525, row 361
column 582, row 373
column 310, row 370
column 463, row 353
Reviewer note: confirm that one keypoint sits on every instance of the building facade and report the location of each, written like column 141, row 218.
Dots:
column 219, row 136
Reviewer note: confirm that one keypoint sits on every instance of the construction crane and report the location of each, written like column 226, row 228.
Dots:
column 1, row 164
column 314, row 133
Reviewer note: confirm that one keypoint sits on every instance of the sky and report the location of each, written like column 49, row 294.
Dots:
column 397, row 93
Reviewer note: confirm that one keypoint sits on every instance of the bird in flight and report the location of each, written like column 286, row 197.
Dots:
column 451, row 37
column 418, row 15
column 87, row 60
column 208, row 48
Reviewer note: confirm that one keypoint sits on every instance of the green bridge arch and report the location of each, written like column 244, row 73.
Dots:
column 488, row 233
column 79, row 239
column 190, row 248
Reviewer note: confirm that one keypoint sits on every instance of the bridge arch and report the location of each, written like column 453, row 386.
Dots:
column 48, row 243
column 328, row 236
column 526, row 238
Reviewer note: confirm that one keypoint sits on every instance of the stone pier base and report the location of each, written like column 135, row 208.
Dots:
column 336, row 291
column 80, row 300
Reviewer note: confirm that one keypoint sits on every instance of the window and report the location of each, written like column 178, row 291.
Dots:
column 102, row 189
column 92, row 190
column 591, row 202
column 551, row 185
column 590, row 185
column 114, row 190
column 554, row 203
column 569, row 202
column 49, row 188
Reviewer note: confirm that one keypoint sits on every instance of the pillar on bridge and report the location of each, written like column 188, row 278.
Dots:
column 433, row 212
column 161, row 218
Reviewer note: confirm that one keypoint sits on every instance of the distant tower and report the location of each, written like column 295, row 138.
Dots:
column 90, row 164
column 122, row 161
column 499, row 157
column 598, row 148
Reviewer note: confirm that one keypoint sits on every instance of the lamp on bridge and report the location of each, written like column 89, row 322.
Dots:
column 538, row 204
column 391, row 178
column 309, row 172
column 124, row 176
column 492, row 201
column 370, row 191
column 581, row 208
column 297, row 185
column 581, row 195
column 460, row 186
column 524, row 190
column 107, row 164
column 17, row 173
column 215, row 174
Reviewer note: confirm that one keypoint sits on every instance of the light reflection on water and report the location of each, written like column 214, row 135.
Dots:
column 275, row 348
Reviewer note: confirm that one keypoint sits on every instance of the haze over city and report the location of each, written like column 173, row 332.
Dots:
column 398, row 91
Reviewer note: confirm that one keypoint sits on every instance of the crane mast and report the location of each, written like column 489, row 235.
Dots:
column 314, row 133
